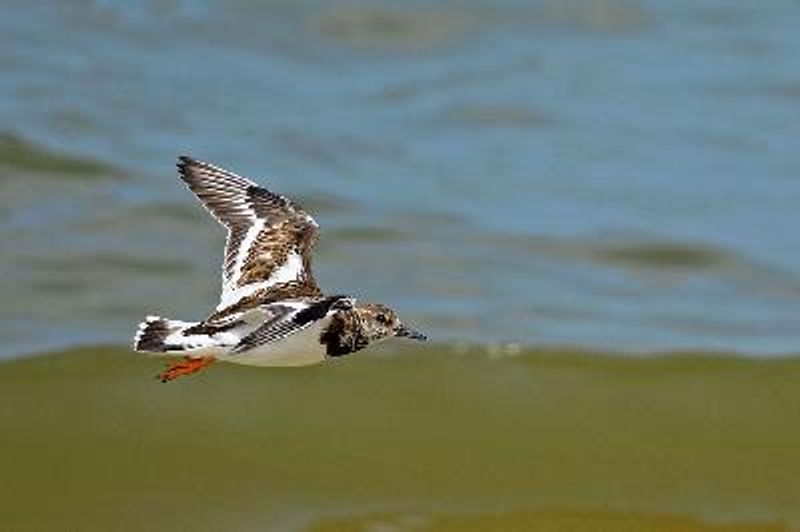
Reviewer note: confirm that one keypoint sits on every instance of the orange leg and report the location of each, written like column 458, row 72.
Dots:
column 188, row 366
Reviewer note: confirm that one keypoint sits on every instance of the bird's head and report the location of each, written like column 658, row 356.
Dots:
column 379, row 322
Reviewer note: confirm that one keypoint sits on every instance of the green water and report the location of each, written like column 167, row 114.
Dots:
column 410, row 439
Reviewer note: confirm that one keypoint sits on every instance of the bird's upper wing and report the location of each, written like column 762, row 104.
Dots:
column 270, row 240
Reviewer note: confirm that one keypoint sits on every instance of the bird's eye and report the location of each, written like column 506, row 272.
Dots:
column 380, row 318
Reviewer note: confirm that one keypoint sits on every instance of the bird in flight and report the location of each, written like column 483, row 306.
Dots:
column 271, row 311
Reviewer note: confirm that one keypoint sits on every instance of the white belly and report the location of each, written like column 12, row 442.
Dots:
column 299, row 349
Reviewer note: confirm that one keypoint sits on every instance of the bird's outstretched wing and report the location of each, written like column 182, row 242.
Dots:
column 270, row 240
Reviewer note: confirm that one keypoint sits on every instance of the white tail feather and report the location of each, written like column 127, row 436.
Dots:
column 160, row 335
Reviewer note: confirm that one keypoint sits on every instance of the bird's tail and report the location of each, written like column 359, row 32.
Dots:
column 160, row 335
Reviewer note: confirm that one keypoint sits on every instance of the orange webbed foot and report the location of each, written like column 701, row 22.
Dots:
column 187, row 366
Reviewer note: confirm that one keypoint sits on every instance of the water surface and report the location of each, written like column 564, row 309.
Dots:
column 608, row 174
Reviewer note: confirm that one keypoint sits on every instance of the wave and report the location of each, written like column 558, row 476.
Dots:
column 19, row 154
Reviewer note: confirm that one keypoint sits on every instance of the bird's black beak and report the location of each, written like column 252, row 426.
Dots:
column 403, row 331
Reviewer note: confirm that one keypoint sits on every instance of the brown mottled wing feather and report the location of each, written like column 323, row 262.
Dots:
column 270, row 239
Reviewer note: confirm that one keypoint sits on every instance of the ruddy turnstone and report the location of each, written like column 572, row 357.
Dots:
column 271, row 312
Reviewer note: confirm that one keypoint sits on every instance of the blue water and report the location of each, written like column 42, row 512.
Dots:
column 609, row 174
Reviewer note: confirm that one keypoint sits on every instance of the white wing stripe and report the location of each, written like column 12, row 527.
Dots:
column 241, row 254
column 232, row 296
column 289, row 271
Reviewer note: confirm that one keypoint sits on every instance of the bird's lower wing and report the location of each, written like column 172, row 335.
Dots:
column 290, row 318
column 280, row 326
